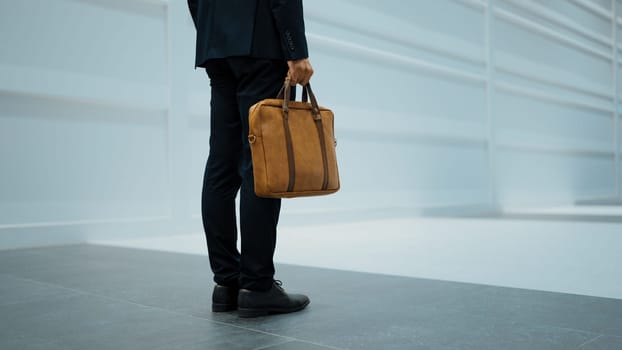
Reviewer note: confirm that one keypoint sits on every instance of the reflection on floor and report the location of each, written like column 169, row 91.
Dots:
column 98, row 297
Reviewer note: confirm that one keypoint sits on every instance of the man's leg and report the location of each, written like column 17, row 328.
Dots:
column 222, row 181
column 258, row 79
column 259, row 294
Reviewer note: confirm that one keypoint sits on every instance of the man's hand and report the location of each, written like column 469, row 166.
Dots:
column 300, row 71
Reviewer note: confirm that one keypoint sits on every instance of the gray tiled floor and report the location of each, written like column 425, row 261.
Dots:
column 95, row 297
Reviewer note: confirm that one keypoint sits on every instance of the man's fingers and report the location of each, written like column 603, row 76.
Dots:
column 300, row 72
column 304, row 80
column 293, row 79
column 305, row 74
column 308, row 75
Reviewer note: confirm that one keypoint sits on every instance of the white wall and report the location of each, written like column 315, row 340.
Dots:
column 463, row 104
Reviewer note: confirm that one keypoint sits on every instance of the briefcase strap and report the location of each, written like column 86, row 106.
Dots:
column 290, row 152
column 285, row 94
column 320, row 132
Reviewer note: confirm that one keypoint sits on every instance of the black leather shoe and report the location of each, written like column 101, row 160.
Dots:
column 273, row 301
column 224, row 298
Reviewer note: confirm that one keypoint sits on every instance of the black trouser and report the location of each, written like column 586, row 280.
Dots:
column 237, row 83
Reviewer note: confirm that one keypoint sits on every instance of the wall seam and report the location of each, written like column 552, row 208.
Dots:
column 616, row 117
column 490, row 79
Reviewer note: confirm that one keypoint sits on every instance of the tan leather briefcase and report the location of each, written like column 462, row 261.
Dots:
column 293, row 147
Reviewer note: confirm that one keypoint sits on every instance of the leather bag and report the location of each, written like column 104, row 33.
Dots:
column 293, row 146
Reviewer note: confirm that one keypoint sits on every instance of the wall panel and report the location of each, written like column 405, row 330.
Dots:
column 555, row 176
column 66, row 162
column 84, row 114
column 554, row 117
column 536, row 123
column 122, row 40
column 448, row 103
column 554, row 58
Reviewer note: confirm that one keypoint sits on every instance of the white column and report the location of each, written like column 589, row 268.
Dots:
column 616, row 117
column 490, row 85
column 178, row 146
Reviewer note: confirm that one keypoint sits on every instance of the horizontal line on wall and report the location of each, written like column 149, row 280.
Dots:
column 410, row 138
column 595, row 9
column 552, row 149
column 403, row 39
column 540, row 29
column 595, row 197
column 156, row 2
column 562, row 20
column 374, row 55
column 85, row 222
column 527, row 74
column 164, row 3
column 477, row 4
column 405, row 123
column 520, row 136
column 600, row 200
column 530, row 92
column 83, row 88
column 553, row 198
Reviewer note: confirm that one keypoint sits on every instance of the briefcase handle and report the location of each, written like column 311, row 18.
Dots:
column 285, row 94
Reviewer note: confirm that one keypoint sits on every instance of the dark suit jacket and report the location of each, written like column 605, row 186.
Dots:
column 272, row 29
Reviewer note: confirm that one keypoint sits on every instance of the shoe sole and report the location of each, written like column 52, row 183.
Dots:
column 249, row 312
column 223, row 307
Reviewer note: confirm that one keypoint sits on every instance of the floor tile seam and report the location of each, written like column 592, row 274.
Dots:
column 66, row 291
column 83, row 292
column 58, row 296
column 234, row 326
column 263, row 347
column 296, row 340
column 178, row 313
column 43, row 250
column 10, row 275
column 39, row 340
column 590, row 341
column 595, row 333
column 548, row 325
column 290, row 339
column 321, row 345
